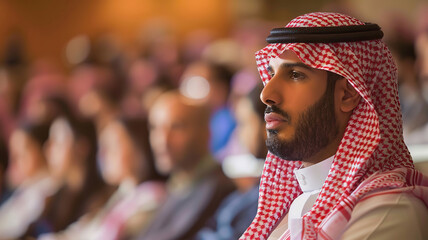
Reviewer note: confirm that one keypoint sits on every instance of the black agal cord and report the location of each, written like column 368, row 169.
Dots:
column 353, row 33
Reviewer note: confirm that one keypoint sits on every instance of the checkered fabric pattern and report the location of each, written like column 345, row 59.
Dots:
column 372, row 156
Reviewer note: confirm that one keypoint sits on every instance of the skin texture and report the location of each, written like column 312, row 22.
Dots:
column 305, row 120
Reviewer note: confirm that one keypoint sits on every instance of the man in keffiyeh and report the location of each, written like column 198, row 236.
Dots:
column 337, row 166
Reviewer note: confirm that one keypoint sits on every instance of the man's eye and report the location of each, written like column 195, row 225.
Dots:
column 271, row 74
column 297, row 75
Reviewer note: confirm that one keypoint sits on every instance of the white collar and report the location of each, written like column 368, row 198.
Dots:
column 313, row 177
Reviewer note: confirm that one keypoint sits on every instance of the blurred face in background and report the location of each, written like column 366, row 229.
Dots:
column 179, row 133
column 195, row 82
column 142, row 74
column 117, row 154
column 25, row 157
column 207, row 85
column 421, row 45
column 250, row 128
column 83, row 79
column 59, row 147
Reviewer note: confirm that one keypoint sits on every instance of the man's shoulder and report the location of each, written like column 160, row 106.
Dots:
column 395, row 212
column 390, row 200
column 374, row 198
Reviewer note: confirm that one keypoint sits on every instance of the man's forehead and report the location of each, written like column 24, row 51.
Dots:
column 288, row 57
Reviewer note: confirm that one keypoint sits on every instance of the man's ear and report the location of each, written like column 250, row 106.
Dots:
column 349, row 97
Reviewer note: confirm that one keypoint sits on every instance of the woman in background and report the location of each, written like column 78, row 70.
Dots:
column 125, row 161
column 71, row 156
column 28, row 175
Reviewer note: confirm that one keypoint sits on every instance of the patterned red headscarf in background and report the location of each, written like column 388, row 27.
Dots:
column 372, row 156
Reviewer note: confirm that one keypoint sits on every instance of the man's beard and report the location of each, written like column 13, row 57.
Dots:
column 315, row 130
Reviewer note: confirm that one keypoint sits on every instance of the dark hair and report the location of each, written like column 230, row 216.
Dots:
column 138, row 130
column 4, row 157
column 331, row 76
column 331, row 80
column 38, row 132
column 222, row 73
column 84, row 131
column 59, row 106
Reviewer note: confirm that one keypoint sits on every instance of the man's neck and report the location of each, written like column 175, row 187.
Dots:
column 325, row 153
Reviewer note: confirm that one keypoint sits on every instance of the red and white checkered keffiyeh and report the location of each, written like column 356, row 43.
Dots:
column 372, row 156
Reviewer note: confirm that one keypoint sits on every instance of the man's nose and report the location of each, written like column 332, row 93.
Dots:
column 270, row 94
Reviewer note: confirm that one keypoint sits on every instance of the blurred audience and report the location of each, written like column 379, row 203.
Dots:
column 96, row 176
column 420, row 135
column 5, row 191
column 45, row 80
column 179, row 136
column 10, row 92
column 239, row 208
column 422, row 53
column 413, row 107
column 96, row 90
column 28, row 175
column 142, row 76
column 71, row 156
column 125, row 162
column 211, row 83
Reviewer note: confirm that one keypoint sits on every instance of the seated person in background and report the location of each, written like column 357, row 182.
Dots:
column 222, row 122
column 5, row 192
column 179, row 136
column 419, row 135
column 239, row 208
column 71, row 156
column 28, row 175
column 125, row 162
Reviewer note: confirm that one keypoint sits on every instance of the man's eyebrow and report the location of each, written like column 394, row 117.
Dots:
column 290, row 65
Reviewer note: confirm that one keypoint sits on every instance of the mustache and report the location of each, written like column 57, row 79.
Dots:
column 277, row 110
